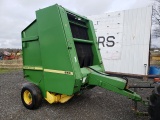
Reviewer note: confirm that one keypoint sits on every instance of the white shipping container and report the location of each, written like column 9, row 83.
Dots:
column 124, row 40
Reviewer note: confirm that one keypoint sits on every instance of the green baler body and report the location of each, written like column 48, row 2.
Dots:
column 51, row 59
column 48, row 44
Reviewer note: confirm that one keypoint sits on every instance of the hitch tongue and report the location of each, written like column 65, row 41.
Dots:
column 114, row 84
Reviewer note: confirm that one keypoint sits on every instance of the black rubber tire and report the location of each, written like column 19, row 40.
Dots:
column 154, row 106
column 35, row 94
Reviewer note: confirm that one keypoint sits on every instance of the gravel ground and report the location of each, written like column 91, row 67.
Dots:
column 94, row 104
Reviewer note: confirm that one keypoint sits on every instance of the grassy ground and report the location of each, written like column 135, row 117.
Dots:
column 4, row 70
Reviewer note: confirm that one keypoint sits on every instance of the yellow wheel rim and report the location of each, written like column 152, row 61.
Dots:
column 27, row 97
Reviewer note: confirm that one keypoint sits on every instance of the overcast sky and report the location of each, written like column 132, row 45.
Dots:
column 15, row 15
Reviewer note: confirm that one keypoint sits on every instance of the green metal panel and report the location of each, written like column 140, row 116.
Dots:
column 34, row 76
column 31, row 52
column 31, row 30
column 54, row 50
column 59, row 83
column 53, row 44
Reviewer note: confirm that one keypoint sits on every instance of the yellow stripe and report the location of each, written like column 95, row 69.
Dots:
column 32, row 68
column 38, row 68
column 48, row 70
column 59, row 71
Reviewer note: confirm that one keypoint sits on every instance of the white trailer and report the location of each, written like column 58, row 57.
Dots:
column 124, row 40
